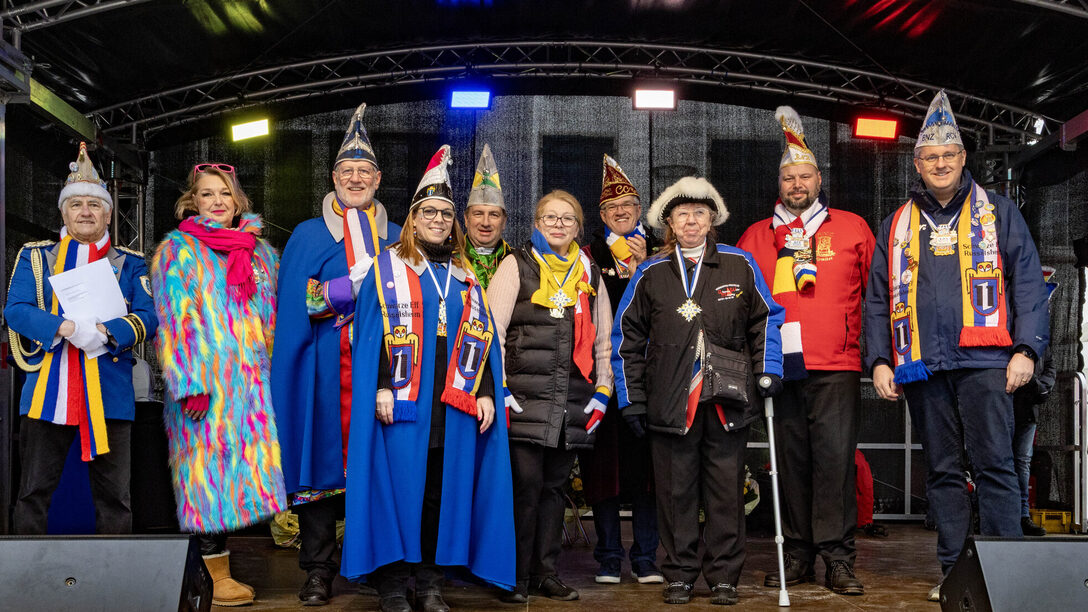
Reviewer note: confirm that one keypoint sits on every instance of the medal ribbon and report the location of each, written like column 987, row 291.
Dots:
column 689, row 290
column 442, row 293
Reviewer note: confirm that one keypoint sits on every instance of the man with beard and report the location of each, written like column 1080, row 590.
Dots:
column 322, row 266
column 485, row 219
column 816, row 260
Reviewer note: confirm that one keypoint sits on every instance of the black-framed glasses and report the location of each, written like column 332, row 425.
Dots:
column 226, row 168
column 553, row 220
column 429, row 212
column 947, row 157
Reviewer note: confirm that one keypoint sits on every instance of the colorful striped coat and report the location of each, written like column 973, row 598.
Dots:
column 226, row 467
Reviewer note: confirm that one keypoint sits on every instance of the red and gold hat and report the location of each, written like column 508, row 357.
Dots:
column 797, row 151
column 615, row 184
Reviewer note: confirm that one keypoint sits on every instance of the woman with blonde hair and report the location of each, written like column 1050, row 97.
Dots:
column 214, row 282
column 552, row 318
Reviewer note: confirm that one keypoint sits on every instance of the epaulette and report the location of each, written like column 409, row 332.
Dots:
column 39, row 243
column 130, row 251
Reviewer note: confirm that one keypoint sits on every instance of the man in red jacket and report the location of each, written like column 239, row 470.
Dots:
column 816, row 260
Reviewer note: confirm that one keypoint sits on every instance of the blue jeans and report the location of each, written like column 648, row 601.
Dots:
column 1023, row 446
column 960, row 410
column 606, row 520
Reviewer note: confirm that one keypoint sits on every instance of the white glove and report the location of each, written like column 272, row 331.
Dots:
column 512, row 403
column 358, row 272
column 87, row 337
column 595, row 405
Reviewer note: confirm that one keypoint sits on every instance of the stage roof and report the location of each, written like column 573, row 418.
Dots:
column 167, row 71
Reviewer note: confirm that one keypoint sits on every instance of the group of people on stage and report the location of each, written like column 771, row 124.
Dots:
column 434, row 390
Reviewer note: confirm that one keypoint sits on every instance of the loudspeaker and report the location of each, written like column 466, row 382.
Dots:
column 1049, row 573
column 103, row 573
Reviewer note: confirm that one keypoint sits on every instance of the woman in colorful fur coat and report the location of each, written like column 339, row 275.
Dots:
column 428, row 472
column 214, row 284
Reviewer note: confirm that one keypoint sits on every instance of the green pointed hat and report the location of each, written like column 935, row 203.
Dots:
column 486, row 188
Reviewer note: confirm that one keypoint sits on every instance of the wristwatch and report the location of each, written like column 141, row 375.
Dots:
column 1027, row 352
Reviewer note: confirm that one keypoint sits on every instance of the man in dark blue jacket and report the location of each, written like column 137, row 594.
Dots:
column 956, row 313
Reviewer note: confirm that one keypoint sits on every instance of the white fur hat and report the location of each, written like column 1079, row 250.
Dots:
column 688, row 190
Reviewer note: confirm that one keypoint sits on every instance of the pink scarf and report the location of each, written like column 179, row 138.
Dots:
column 239, row 245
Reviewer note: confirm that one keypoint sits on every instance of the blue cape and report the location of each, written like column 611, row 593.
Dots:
column 305, row 373
column 387, row 464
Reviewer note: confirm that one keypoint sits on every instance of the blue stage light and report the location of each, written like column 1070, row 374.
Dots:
column 470, row 99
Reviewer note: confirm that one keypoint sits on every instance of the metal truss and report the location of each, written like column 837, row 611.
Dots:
column 990, row 120
column 128, row 214
column 1075, row 8
column 30, row 16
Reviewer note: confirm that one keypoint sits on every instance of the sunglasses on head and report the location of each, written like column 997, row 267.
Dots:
column 226, row 168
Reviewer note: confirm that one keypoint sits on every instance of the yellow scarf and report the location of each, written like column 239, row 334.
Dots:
column 557, row 277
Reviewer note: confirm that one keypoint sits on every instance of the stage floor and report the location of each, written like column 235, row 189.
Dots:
column 897, row 572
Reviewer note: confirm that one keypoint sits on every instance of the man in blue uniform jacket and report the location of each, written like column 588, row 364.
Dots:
column 322, row 266
column 79, row 367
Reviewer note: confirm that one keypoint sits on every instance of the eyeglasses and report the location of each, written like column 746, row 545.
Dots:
column 627, row 206
column 947, row 157
column 429, row 212
column 364, row 173
column 683, row 215
column 226, row 168
column 553, row 220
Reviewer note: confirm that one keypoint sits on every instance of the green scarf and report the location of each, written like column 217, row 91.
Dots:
column 484, row 266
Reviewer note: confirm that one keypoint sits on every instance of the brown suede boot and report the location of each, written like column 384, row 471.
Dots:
column 226, row 591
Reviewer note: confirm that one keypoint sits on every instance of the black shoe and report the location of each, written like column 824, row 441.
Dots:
column 431, row 601
column 1029, row 528
column 723, row 594
column 394, row 603
column 520, row 594
column 840, row 578
column 678, row 592
column 316, row 591
column 797, row 572
column 553, row 588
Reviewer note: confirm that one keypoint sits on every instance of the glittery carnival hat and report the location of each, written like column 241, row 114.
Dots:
column 83, row 180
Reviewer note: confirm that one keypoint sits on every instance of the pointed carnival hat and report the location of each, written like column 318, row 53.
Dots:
column 615, row 184
column 436, row 180
column 356, row 143
column 797, row 151
column 688, row 190
column 939, row 127
column 486, row 188
column 83, row 180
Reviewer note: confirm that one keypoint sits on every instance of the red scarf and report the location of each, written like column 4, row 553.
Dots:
column 239, row 245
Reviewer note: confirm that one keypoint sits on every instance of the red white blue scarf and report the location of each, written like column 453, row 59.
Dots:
column 398, row 290
column 69, row 390
column 795, row 271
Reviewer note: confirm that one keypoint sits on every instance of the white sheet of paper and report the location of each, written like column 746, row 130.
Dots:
column 90, row 292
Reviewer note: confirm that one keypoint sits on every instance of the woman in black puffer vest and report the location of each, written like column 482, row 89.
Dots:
column 553, row 320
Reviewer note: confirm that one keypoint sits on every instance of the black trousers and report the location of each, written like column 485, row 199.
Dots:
column 44, row 448
column 318, row 552
column 710, row 460
column 540, row 474
column 816, row 431
column 392, row 579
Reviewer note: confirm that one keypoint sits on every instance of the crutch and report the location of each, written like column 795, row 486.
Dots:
column 768, row 411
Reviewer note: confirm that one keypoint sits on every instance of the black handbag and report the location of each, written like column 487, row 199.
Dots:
column 727, row 377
